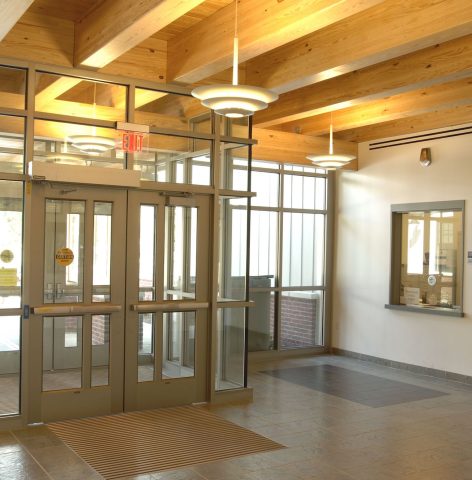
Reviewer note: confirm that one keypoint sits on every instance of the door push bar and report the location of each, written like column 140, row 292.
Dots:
column 76, row 309
column 168, row 306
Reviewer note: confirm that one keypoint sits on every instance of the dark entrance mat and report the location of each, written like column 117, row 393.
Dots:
column 355, row 386
column 131, row 444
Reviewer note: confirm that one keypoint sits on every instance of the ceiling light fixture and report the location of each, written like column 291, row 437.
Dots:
column 93, row 145
column 330, row 161
column 234, row 101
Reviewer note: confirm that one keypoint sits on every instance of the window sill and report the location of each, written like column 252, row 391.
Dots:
column 446, row 312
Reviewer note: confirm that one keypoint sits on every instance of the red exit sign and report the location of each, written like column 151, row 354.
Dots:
column 132, row 142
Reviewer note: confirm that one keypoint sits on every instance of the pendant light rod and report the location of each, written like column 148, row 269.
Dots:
column 235, row 46
column 94, row 108
column 330, row 161
column 331, row 138
column 235, row 61
column 234, row 101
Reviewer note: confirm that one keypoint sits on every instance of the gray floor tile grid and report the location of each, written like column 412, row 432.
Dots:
column 328, row 437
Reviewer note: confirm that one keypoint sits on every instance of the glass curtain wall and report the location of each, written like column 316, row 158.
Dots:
column 73, row 123
column 287, row 256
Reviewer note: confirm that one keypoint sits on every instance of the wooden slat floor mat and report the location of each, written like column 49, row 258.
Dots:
column 154, row 440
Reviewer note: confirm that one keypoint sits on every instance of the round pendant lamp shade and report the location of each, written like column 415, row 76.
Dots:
column 330, row 161
column 91, row 144
column 234, row 101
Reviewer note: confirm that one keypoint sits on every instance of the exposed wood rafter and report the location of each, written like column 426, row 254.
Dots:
column 380, row 67
column 11, row 10
column 423, row 101
column 113, row 27
column 388, row 30
column 207, row 48
column 433, row 65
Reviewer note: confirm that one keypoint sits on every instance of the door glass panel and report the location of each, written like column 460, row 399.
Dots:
column 100, row 350
column 147, row 253
column 178, row 349
column 11, row 227
column 64, row 251
column 180, row 252
column 231, row 346
column 62, row 353
column 146, row 323
column 9, row 365
column 102, row 252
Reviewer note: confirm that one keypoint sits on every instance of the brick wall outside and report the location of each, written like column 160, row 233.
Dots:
column 99, row 330
column 299, row 322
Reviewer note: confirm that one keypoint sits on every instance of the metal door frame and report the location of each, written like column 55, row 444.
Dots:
column 165, row 392
column 86, row 401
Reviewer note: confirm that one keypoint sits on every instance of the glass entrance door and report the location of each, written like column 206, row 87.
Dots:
column 77, row 322
column 119, row 301
column 167, row 300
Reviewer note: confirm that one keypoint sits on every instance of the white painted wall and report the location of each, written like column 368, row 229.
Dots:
column 362, row 255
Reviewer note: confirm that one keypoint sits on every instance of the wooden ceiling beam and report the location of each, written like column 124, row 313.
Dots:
column 423, row 101
column 54, row 90
column 404, row 126
column 147, row 61
column 12, row 10
column 40, row 38
column 385, row 31
column 113, row 28
column 439, row 63
column 207, row 47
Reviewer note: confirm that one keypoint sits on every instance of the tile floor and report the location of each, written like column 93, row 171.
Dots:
column 328, row 437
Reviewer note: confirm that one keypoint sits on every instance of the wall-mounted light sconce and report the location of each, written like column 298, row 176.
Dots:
column 425, row 157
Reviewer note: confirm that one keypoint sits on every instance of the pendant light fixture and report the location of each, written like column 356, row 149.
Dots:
column 93, row 144
column 330, row 161
column 234, row 101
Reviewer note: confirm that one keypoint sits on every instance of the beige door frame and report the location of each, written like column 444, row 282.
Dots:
column 87, row 400
column 123, row 393
column 164, row 391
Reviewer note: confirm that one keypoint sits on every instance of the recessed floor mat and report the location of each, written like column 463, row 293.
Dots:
column 154, row 440
column 359, row 387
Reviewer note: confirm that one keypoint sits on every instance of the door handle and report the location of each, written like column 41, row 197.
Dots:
column 76, row 309
column 168, row 306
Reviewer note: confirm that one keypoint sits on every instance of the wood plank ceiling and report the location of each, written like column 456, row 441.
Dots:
column 379, row 68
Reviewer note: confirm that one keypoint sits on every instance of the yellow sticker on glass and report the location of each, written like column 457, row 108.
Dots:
column 6, row 256
column 64, row 256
